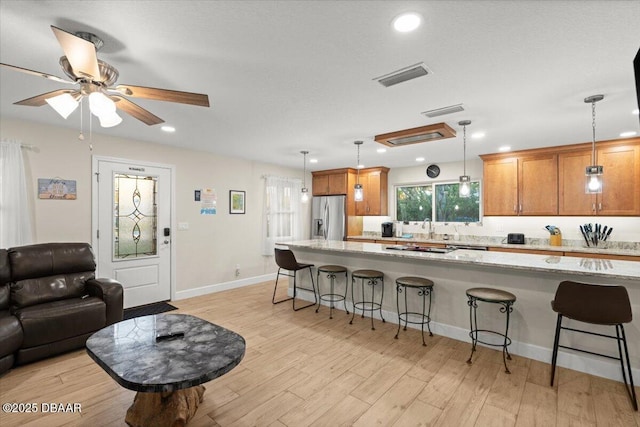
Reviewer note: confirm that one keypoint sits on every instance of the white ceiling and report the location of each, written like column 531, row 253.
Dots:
column 286, row 76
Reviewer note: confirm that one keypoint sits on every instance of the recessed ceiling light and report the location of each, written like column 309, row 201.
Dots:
column 504, row 148
column 419, row 159
column 381, row 150
column 627, row 134
column 168, row 128
column 636, row 112
column 313, row 160
column 407, row 22
column 477, row 135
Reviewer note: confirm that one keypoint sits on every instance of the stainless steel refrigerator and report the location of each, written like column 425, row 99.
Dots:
column 328, row 218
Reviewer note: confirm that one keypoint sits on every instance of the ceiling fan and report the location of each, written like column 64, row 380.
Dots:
column 95, row 79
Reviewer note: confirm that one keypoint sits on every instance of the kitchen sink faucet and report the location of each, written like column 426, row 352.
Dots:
column 430, row 227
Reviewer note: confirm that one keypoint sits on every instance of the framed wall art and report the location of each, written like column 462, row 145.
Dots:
column 237, row 202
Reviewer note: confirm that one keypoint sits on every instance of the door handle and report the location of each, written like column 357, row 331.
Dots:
column 166, row 242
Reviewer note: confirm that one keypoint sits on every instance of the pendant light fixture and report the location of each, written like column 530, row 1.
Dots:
column 305, row 191
column 464, row 188
column 358, row 194
column 594, row 171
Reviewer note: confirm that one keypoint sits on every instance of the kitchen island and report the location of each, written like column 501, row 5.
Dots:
column 532, row 278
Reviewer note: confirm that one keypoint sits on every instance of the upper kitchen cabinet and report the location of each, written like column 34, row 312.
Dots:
column 520, row 184
column 331, row 182
column 374, row 184
column 621, row 179
column 500, row 186
column 551, row 181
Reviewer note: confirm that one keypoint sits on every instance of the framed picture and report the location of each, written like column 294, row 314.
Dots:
column 236, row 202
column 57, row 188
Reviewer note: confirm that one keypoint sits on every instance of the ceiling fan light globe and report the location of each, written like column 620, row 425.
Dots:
column 64, row 104
column 110, row 120
column 100, row 104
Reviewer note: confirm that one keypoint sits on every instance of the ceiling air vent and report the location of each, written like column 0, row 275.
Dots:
column 404, row 74
column 444, row 110
column 416, row 135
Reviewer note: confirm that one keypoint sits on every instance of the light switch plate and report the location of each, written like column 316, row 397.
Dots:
column 183, row 226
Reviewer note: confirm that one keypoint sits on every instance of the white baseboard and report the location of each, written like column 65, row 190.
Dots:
column 599, row 367
column 218, row 287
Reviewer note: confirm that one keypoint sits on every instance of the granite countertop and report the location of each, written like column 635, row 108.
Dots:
column 612, row 248
column 627, row 270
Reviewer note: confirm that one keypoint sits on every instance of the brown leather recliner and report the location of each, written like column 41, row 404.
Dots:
column 51, row 302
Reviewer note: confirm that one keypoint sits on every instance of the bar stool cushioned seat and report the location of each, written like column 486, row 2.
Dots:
column 599, row 305
column 492, row 296
column 332, row 297
column 286, row 260
column 424, row 287
column 372, row 277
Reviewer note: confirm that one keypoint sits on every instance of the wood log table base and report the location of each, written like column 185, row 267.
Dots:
column 171, row 409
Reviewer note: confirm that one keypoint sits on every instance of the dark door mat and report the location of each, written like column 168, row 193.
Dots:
column 147, row 310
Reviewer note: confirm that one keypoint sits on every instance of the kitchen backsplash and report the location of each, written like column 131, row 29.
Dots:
column 625, row 235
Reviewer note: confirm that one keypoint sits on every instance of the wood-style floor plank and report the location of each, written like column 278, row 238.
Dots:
column 303, row 369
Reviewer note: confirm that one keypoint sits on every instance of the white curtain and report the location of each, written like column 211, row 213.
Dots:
column 15, row 219
column 282, row 220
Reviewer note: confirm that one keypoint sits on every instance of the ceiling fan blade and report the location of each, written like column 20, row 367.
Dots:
column 164, row 95
column 80, row 53
column 136, row 111
column 39, row 100
column 38, row 73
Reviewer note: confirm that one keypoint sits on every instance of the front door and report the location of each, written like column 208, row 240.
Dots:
column 132, row 212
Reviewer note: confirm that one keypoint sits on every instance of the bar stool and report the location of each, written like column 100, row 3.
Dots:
column 372, row 277
column 332, row 297
column 597, row 305
column 492, row 296
column 424, row 287
column 286, row 260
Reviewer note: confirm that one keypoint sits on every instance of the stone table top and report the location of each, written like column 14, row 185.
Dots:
column 130, row 353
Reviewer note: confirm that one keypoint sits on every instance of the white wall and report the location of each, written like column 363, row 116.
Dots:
column 626, row 229
column 208, row 252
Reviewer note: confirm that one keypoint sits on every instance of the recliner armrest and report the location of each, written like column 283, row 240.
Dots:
column 110, row 291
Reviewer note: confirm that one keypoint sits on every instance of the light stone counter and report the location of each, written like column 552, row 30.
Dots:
column 532, row 278
column 609, row 247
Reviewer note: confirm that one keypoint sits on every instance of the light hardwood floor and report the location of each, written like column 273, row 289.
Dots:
column 303, row 369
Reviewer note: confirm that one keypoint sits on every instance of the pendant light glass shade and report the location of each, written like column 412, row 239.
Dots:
column 593, row 172
column 358, row 193
column 64, row 104
column 304, row 194
column 464, row 187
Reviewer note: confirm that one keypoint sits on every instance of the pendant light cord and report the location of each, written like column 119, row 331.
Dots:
column 593, row 125
column 464, row 149
column 358, row 166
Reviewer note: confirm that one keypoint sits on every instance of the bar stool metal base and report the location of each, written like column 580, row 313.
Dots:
column 371, row 277
column 332, row 297
column 424, row 287
column 493, row 296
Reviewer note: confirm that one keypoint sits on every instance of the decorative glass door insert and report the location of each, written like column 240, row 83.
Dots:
column 135, row 216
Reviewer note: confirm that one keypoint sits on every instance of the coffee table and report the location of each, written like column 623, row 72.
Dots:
column 165, row 358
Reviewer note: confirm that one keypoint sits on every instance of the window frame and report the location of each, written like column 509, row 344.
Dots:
column 433, row 185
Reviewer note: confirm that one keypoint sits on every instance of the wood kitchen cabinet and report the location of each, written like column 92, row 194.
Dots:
column 374, row 184
column 551, row 181
column 521, row 185
column 330, row 182
column 621, row 180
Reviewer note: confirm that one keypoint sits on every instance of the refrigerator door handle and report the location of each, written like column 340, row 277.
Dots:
column 326, row 219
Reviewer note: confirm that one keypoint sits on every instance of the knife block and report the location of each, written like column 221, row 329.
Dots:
column 555, row 240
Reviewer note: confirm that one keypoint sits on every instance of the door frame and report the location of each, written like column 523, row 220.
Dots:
column 94, row 209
